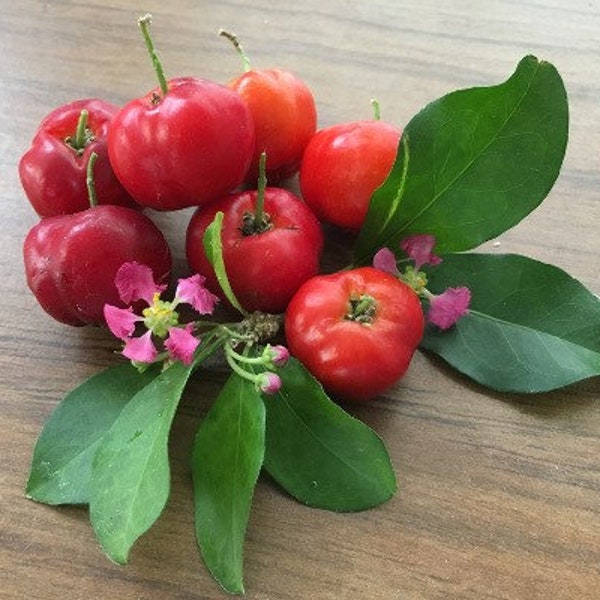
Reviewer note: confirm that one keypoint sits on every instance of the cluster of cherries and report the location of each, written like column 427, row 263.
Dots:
column 93, row 167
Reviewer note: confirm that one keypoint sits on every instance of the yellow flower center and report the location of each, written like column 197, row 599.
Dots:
column 160, row 316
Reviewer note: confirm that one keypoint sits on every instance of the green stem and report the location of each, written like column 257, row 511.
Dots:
column 83, row 136
column 207, row 349
column 234, row 335
column 144, row 23
column 257, row 360
column 259, row 214
column 258, row 221
column 376, row 109
column 236, row 44
column 89, row 180
column 235, row 367
column 80, row 135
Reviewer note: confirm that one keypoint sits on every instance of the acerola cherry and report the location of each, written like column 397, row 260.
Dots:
column 284, row 114
column 184, row 143
column 53, row 170
column 343, row 165
column 71, row 260
column 271, row 244
column 356, row 331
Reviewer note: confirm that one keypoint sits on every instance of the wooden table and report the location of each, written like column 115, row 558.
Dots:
column 499, row 495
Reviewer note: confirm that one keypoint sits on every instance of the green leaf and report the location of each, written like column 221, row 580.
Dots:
column 62, row 459
column 213, row 246
column 130, row 473
column 319, row 453
column 531, row 326
column 477, row 161
column 226, row 461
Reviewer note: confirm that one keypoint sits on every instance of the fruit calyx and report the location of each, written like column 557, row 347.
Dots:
column 361, row 309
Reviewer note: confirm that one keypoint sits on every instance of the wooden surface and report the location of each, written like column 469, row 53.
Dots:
column 499, row 495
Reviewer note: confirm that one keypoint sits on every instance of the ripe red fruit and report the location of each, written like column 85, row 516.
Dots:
column 183, row 144
column 71, row 260
column 343, row 165
column 182, row 148
column 284, row 115
column 355, row 331
column 53, row 170
column 265, row 266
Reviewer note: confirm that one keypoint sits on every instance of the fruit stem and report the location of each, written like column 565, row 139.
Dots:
column 144, row 23
column 376, row 109
column 236, row 44
column 89, row 180
column 258, row 221
column 80, row 137
column 259, row 214
column 83, row 136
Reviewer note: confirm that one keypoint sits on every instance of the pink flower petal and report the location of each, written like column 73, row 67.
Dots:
column 192, row 291
column 385, row 260
column 140, row 349
column 182, row 343
column 120, row 321
column 447, row 308
column 419, row 248
column 135, row 281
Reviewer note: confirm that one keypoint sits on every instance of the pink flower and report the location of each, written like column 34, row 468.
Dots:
column 419, row 248
column 448, row 307
column 192, row 291
column 181, row 343
column 385, row 260
column 135, row 282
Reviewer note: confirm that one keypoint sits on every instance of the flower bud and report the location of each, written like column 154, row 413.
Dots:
column 268, row 383
column 279, row 355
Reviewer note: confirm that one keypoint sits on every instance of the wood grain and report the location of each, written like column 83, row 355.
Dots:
column 499, row 495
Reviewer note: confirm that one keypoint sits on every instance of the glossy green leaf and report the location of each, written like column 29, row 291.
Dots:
column 531, row 326
column 226, row 461
column 213, row 246
column 130, row 480
column 62, row 459
column 473, row 163
column 319, row 453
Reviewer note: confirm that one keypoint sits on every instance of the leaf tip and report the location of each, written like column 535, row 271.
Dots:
column 120, row 557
